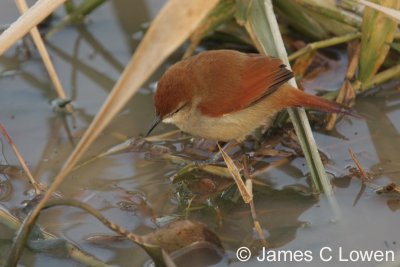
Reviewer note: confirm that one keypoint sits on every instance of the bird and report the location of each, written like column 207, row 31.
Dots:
column 224, row 95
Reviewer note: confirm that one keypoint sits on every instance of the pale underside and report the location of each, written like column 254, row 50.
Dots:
column 232, row 126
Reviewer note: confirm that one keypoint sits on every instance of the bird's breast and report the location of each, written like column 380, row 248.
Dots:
column 231, row 126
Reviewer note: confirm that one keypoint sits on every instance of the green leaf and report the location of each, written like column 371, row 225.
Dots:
column 300, row 20
column 264, row 30
column 377, row 35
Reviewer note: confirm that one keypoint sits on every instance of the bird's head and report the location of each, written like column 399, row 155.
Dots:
column 173, row 96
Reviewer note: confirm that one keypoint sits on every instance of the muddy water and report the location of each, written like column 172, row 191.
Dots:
column 137, row 193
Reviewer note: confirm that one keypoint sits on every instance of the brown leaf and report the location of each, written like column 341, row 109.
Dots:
column 234, row 171
column 302, row 63
column 391, row 188
column 180, row 234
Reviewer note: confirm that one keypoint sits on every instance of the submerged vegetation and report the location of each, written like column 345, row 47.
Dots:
column 296, row 32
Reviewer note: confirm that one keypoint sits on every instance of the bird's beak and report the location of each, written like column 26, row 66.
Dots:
column 156, row 121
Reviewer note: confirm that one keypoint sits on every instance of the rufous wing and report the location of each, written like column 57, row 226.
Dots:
column 259, row 76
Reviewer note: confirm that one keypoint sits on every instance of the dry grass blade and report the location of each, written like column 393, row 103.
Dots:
column 173, row 25
column 153, row 250
column 95, row 213
column 354, row 49
column 347, row 94
column 38, row 12
column 364, row 176
column 258, row 228
column 234, row 171
column 249, row 185
column 346, row 97
column 36, row 185
column 393, row 13
column 70, row 250
column 124, row 146
column 377, row 35
column 23, row 7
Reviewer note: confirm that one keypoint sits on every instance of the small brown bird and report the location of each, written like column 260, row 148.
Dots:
column 224, row 95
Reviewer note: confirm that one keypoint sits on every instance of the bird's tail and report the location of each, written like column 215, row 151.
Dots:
column 297, row 98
